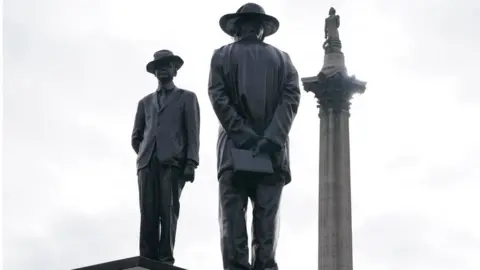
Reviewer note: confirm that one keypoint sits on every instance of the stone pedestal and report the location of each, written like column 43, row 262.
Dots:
column 334, row 203
column 333, row 63
column 134, row 263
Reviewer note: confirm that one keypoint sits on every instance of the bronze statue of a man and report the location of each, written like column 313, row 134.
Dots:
column 254, row 91
column 166, row 139
column 332, row 23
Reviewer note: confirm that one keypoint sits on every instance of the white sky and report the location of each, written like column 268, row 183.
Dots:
column 74, row 71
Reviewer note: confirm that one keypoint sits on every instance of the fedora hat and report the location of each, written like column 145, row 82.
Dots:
column 249, row 10
column 164, row 56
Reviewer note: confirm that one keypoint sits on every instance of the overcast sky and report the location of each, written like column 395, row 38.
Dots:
column 74, row 71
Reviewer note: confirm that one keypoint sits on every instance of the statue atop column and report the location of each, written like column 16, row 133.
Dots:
column 334, row 61
column 333, row 87
column 332, row 23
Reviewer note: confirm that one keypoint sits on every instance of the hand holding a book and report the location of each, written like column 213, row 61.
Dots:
column 264, row 146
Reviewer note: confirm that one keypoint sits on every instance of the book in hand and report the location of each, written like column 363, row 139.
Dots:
column 244, row 161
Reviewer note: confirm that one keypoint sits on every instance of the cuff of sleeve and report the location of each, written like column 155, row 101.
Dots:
column 240, row 138
column 275, row 141
column 193, row 163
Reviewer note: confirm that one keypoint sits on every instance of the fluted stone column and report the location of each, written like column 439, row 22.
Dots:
column 333, row 89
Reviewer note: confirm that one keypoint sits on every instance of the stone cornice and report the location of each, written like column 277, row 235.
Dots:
column 334, row 93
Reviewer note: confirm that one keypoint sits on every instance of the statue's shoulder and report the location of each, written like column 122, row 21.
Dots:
column 283, row 54
column 219, row 54
column 222, row 56
column 147, row 97
column 273, row 48
column 222, row 50
column 187, row 93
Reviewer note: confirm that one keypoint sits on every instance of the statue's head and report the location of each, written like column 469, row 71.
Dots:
column 249, row 27
column 165, row 65
column 331, row 11
column 249, row 20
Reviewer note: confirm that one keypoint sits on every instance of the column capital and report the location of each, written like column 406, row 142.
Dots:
column 333, row 93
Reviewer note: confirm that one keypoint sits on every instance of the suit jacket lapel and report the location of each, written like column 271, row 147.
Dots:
column 169, row 99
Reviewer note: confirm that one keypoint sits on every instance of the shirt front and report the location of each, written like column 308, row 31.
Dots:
column 163, row 92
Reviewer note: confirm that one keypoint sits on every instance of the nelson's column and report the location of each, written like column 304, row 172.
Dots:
column 333, row 89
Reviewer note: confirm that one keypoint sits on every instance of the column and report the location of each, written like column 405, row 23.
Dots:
column 334, row 88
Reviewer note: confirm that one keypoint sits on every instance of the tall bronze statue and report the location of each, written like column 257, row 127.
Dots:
column 254, row 91
column 166, row 139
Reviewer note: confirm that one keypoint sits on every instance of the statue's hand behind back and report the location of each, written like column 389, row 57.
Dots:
column 250, row 143
column 265, row 146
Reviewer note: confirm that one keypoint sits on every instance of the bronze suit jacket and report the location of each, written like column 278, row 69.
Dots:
column 254, row 91
column 172, row 129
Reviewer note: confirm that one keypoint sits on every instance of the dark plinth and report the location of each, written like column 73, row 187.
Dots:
column 134, row 263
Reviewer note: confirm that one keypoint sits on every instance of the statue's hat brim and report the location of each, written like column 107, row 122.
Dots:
column 228, row 22
column 162, row 57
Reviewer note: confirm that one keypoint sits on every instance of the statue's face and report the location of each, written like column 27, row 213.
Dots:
column 165, row 72
column 331, row 11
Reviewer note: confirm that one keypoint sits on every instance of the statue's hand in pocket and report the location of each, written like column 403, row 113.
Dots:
column 189, row 173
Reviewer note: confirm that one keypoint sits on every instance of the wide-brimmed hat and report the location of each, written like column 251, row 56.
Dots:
column 164, row 56
column 249, row 10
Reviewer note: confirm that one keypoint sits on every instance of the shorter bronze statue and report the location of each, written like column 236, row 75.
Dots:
column 166, row 139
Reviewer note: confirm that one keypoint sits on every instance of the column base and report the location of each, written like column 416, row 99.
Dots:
column 134, row 263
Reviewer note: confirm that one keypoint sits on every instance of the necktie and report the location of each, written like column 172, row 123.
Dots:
column 162, row 96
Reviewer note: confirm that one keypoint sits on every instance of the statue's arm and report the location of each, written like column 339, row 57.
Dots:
column 236, row 126
column 287, row 107
column 192, row 126
column 138, row 127
column 338, row 21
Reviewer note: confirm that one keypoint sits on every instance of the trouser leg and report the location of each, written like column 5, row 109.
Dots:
column 148, row 179
column 171, row 186
column 265, row 196
column 233, row 203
